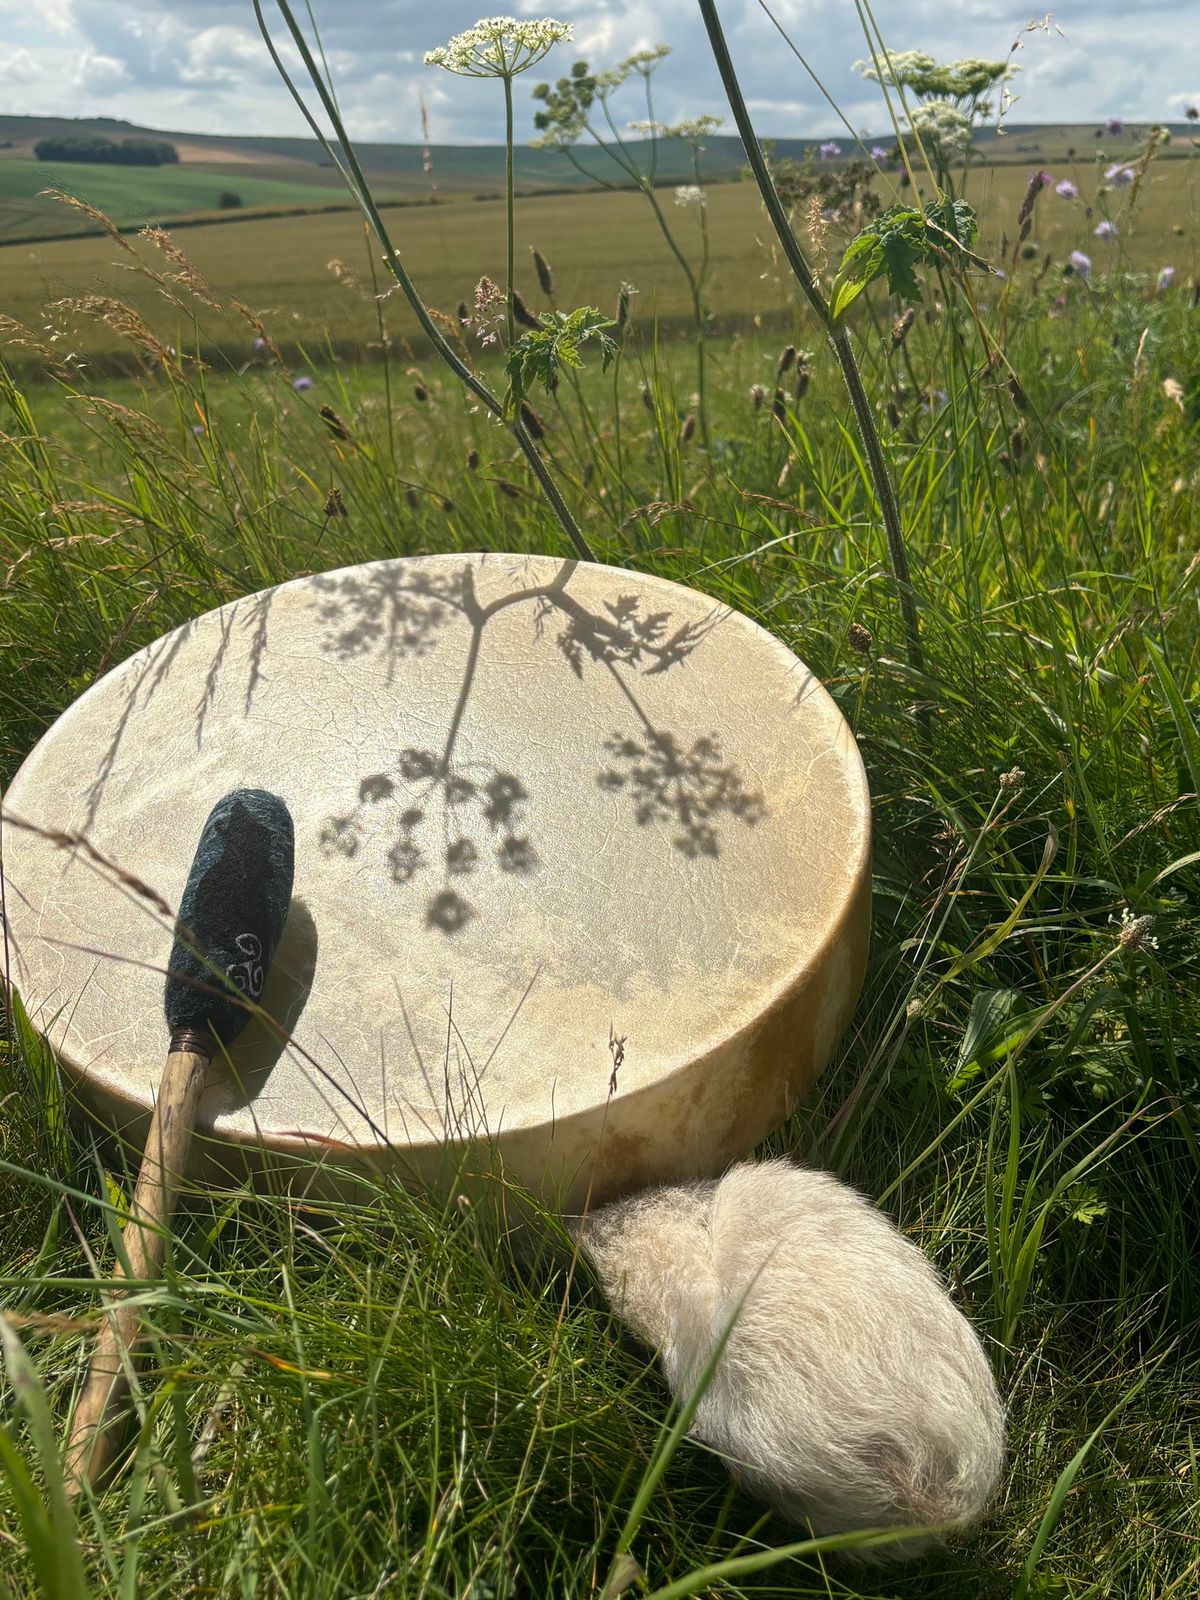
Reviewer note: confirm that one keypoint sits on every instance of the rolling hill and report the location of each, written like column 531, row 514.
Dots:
column 272, row 175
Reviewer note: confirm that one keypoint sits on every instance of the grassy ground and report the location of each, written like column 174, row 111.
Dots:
column 595, row 241
column 385, row 1398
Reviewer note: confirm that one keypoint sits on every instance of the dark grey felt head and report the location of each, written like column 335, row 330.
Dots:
column 232, row 913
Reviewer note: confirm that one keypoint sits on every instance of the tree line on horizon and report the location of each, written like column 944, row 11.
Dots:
column 115, row 152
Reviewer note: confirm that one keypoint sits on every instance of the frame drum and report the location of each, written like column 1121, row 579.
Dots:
column 582, row 871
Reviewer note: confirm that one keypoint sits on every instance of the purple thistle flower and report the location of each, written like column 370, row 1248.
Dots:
column 1119, row 175
column 878, row 153
column 1081, row 264
column 1115, row 125
column 302, row 383
column 1067, row 190
column 1165, row 277
column 1106, row 230
column 830, row 151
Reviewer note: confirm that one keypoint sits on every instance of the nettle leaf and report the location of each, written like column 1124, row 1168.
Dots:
column 540, row 354
column 896, row 243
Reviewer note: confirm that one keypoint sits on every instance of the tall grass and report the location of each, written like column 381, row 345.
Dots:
column 390, row 1396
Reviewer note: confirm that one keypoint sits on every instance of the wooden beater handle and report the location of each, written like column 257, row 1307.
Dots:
column 94, row 1435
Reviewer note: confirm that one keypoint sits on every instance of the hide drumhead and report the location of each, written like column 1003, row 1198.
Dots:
column 582, row 869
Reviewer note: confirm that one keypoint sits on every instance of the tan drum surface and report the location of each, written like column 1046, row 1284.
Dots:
column 582, row 868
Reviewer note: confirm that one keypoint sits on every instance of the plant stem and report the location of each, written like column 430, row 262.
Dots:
column 884, row 493
column 357, row 184
column 508, row 191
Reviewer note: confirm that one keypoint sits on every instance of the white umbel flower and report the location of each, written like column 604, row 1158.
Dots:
column 499, row 47
column 690, row 194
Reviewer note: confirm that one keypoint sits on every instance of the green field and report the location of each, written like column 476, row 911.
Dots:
column 390, row 1395
column 595, row 241
column 134, row 196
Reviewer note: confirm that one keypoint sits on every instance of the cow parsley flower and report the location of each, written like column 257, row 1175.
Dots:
column 944, row 131
column 690, row 194
column 1106, row 230
column 499, row 47
column 1067, row 190
column 694, row 129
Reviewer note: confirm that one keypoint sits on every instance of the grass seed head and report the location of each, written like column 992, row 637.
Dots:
column 544, row 275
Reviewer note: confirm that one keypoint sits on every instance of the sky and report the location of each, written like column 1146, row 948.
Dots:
column 200, row 66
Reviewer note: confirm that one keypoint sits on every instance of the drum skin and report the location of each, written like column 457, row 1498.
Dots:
column 582, row 872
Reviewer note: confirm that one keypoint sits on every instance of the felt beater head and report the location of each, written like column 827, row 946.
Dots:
column 231, row 915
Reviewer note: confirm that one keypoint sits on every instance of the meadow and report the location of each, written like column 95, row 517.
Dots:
column 387, row 1396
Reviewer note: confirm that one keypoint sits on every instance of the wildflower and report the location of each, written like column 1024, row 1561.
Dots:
column 943, row 130
column 694, row 129
column 499, row 47
column 1080, row 264
column 302, row 384
column 878, row 153
column 690, row 194
column 490, row 305
column 260, row 343
column 1119, row 175
column 1115, row 125
column 1134, row 932
column 1067, row 190
column 1041, row 180
column 1165, row 278
column 1106, row 230
column 199, row 429
column 830, row 151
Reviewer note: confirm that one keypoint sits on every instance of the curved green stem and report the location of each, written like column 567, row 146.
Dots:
column 885, row 495
column 356, row 182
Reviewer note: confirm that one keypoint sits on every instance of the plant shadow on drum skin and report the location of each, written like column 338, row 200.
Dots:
column 453, row 817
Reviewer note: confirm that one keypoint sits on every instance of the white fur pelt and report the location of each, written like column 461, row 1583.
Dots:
column 851, row 1393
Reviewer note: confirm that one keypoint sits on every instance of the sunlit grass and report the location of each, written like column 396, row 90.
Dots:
column 388, row 1396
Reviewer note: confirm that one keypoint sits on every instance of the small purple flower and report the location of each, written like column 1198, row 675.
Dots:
column 1000, row 273
column 1081, row 264
column 1119, row 175
column 200, row 430
column 1067, row 190
column 259, row 342
column 1165, row 278
column 878, row 153
column 830, row 151
column 302, row 383
column 1115, row 125
column 1043, row 178
column 1106, row 230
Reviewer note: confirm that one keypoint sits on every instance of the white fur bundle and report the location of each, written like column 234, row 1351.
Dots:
column 852, row 1393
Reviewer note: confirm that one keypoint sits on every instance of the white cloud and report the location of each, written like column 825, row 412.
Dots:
column 19, row 67
column 99, row 74
column 202, row 66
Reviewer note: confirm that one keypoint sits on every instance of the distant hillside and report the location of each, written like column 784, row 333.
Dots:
column 291, row 174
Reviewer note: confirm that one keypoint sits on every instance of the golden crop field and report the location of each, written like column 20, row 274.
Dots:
column 595, row 241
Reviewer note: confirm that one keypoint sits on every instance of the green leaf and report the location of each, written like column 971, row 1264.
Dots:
column 540, row 354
